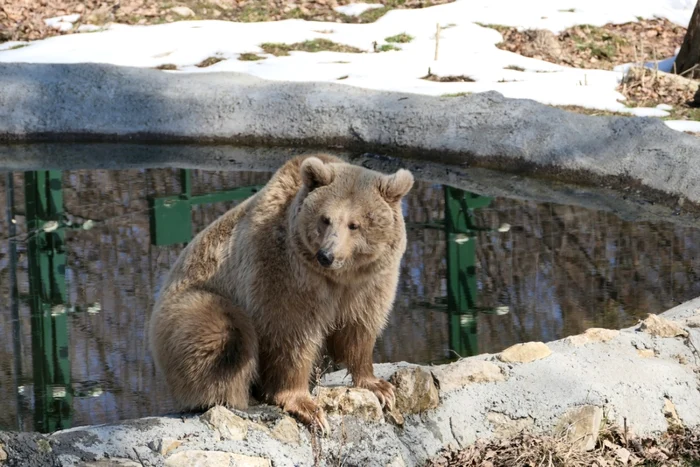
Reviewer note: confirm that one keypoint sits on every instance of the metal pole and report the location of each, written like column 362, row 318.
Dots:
column 14, row 293
column 461, row 270
column 47, row 286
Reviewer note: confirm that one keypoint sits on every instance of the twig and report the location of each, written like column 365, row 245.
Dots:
column 437, row 40
column 138, row 457
column 686, row 71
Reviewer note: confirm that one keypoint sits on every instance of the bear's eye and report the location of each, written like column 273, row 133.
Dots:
column 353, row 226
column 326, row 220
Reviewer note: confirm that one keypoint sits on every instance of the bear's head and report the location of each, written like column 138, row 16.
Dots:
column 349, row 218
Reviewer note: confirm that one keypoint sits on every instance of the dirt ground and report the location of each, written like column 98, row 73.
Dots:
column 23, row 19
column 678, row 448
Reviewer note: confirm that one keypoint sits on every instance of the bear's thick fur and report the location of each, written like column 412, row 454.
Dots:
column 310, row 262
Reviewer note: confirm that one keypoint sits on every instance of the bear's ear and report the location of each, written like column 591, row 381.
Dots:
column 315, row 174
column 394, row 187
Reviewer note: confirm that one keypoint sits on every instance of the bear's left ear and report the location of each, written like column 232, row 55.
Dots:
column 394, row 187
column 315, row 174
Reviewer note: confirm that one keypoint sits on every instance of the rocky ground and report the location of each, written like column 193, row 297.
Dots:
column 602, row 398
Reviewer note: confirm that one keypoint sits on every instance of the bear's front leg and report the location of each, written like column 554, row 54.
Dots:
column 353, row 345
column 284, row 378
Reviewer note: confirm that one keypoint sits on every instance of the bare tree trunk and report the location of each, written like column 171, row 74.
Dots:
column 688, row 59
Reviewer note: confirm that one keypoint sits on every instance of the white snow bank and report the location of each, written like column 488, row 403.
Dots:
column 465, row 49
column 62, row 23
column 684, row 125
column 356, row 9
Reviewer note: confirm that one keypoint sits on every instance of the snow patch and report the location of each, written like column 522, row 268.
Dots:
column 62, row 23
column 356, row 9
column 466, row 49
column 684, row 125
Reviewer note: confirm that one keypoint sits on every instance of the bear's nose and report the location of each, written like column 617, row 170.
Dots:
column 324, row 258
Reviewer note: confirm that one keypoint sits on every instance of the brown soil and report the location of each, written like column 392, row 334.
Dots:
column 596, row 47
column 644, row 88
column 23, row 19
column 674, row 449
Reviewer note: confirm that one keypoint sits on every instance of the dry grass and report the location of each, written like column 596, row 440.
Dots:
column 209, row 61
column 385, row 48
column 315, row 45
column 167, row 66
column 457, row 94
column 647, row 87
column 603, row 47
column 250, row 57
column 402, row 38
column 593, row 112
column 447, row 79
column 615, row 447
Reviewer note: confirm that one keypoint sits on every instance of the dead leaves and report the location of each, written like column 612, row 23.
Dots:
column 615, row 448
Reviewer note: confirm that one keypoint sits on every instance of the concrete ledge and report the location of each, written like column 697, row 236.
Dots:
column 645, row 375
column 91, row 102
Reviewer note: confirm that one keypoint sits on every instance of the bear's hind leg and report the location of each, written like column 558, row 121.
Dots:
column 207, row 349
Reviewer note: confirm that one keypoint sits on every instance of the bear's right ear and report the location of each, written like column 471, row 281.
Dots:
column 315, row 174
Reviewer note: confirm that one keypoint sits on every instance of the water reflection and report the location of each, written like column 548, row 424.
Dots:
column 85, row 253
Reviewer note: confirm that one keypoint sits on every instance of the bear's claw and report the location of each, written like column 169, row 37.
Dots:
column 384, row 391
column 309, row 413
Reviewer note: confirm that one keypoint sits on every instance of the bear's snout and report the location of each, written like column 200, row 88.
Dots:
column 325, row 258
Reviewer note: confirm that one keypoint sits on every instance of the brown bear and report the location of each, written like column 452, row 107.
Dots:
column 309, row 262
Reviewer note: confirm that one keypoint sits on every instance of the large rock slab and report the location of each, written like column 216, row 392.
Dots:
column 480, row 397
column 43, row 102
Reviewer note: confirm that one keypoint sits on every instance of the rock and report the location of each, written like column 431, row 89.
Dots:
column 456, row 375
column 182, row 11
column 662, row 327
column 197, row 458
column 286, row 430
column 259, row 426
column 581, row 426
column 623, row 455
column 395, row 417
column 592, row 335
column 163, row 446
column 671, row 414
column 525, row 353
column 645, row 353
column 397, row 462
column 3, row 454
column 693, row 322
column 506, row 427
column 229, row 425
column 415, row 390
column 112, row 462
column 360, row 403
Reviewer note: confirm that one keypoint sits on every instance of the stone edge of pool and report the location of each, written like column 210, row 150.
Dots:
column 644, row 375
column 95, row 102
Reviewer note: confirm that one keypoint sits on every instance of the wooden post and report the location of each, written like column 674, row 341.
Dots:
column 437, row 40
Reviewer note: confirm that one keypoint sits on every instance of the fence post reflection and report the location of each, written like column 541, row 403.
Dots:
column 47, row 298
